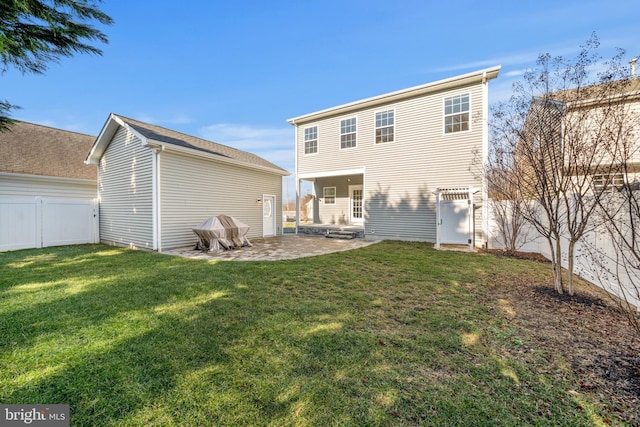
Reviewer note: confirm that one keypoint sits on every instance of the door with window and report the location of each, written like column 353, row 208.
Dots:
column 356, row 196
column 268, row 215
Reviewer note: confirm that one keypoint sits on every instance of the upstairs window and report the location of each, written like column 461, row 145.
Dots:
column 329, row 195
column 348, row 133
column 385, row 126
column 456, row 113
column 607, row 182
column 311, row 140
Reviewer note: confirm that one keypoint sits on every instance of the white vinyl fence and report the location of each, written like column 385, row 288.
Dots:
column 595, row 258
column 37, row 222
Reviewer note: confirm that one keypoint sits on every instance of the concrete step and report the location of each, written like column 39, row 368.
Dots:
column 341, row 235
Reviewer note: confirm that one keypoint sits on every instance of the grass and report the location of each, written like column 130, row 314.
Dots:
column 392, row 334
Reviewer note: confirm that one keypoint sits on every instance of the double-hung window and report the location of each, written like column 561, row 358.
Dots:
column 348, row 133
column 311, row 140
column 456, row 113
column 329, row 195
column 385, row 126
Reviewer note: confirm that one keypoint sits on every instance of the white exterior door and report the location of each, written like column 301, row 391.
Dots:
column 268, row 215
column 356, row 196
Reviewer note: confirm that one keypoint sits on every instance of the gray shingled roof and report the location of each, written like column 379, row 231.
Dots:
column 27, row 148
column 168, row 136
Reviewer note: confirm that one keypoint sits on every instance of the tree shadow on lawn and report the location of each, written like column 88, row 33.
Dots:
column 188, row 342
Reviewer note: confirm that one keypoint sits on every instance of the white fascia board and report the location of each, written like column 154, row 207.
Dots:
column 326, row 174
column 480, row 76
column 211, row 156
column 106, row 135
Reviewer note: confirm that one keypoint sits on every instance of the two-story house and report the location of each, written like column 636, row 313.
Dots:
column 399, row 165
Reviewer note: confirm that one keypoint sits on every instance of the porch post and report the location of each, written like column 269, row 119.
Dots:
column 298, row 183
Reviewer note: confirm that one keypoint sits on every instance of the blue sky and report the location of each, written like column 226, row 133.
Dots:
column 233, row 72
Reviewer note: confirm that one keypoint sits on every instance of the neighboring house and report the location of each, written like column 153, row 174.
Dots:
column 576, row 169
column 384, row 163
column 47, row 193
column 41, row 161
column 156, row 184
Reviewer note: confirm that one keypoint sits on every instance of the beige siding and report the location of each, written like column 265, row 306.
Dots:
column 192, row 189
column 13, row 185
column 125, row 190
column 401, row 176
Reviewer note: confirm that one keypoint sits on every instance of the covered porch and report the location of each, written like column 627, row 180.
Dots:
column 331, row 203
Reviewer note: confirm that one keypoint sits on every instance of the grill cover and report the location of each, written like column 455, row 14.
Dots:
column 221, row 232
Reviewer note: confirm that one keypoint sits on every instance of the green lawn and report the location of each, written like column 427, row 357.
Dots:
column 392, row 334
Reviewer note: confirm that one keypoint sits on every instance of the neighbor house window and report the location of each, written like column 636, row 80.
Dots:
column 329, row 195
column 384, row 126
column 607, row 182
column 311, row 140
column 456, row 113
column 348, row 133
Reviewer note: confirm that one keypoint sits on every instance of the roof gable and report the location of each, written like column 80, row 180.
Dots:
column 157, row 135
column 32, row 149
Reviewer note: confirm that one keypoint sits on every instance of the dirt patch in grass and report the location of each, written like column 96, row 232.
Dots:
column 530, row 256
column 588, row 330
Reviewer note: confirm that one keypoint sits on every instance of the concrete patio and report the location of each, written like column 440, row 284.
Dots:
column 276, row 248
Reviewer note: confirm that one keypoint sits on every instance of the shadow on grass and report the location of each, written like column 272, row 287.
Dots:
column 389, row 333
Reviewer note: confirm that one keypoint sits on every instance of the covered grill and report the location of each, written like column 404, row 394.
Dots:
column 221, row 232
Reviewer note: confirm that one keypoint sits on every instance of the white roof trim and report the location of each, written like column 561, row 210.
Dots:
column 480, row 76
column 326, row 174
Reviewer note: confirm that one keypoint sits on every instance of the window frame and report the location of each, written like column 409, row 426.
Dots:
column 305, row 141
column 325, row 196
column 354, row 132
column 614, row 182
column 456, row 114
column 392, row 126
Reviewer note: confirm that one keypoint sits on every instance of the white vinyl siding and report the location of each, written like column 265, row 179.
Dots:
column 18, row 185
column 193, row 189
column 401, row 177
column 125, row 191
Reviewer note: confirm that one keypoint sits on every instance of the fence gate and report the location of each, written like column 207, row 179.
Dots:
column 454, row 216
column 40, row 222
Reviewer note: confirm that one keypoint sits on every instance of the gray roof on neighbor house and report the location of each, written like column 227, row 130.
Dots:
column 160, row 135
column 32, row 149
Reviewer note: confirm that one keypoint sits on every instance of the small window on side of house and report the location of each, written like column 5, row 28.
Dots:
column 329, row 195
column 607, row 182
column 385, row 126
column 311, row 140
column 456, row 113
column 348, row 133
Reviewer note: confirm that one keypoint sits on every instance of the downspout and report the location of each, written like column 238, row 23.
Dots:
column 155, row 202
column 485, row 158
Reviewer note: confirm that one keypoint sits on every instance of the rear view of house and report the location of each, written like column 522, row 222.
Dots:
column 399, row 165
column 155, row 185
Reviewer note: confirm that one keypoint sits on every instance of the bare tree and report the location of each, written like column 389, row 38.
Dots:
column 560, row 133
